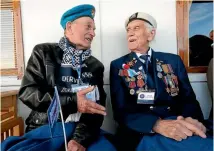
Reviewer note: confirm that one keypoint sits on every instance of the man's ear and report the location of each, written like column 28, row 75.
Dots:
column 152, row 34
column 68, row 27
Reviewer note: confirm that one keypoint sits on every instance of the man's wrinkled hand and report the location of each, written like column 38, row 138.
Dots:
column 87, row 106
column 172, row 129
column 194, row 125
column 74, row 146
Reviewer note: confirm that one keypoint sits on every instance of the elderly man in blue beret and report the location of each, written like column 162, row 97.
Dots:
column 153, row 101
column 70, row 67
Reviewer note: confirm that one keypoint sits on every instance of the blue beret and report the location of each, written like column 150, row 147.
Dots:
column 77, row 12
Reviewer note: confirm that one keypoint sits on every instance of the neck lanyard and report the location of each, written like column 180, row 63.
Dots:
column 79, row 69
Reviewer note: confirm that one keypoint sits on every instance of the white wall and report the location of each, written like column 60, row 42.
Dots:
column 41, row 23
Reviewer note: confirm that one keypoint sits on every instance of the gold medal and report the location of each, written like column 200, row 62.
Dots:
column 133, row 79
column 127, row 79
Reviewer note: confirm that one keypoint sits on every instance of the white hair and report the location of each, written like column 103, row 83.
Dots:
column 149, row 28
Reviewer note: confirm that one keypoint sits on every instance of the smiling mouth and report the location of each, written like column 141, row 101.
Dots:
column 89, row 39
column 132, row 40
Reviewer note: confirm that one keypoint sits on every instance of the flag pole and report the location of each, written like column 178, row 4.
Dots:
column 63, row 125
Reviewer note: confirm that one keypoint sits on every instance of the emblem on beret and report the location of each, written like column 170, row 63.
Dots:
column 93, row 12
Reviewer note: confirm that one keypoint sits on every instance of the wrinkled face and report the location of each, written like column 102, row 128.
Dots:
column 138, row 36
column 81, row 32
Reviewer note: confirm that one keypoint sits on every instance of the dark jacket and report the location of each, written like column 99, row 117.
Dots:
column 139, row 119
column 37, row 89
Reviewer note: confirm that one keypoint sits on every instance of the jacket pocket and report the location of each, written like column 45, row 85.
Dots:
column 37, row 119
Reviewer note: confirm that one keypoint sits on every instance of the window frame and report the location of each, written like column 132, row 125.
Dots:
column 182, row 27
column 19, row 52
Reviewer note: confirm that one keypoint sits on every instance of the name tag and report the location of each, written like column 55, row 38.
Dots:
column 146, row 97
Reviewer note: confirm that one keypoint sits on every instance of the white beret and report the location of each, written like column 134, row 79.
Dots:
column 142, row 16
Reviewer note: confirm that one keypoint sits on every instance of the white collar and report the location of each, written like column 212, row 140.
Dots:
column 148, row 53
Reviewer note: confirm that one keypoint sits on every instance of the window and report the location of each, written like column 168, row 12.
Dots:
column 194, row 24
column 12, row 58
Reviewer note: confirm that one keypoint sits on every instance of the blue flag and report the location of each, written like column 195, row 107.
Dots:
column 54, row 109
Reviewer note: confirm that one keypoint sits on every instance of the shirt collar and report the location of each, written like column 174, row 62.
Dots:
column 148, row 53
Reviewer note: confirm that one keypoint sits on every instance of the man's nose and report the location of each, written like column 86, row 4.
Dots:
column 93, row 33
column 130, row 33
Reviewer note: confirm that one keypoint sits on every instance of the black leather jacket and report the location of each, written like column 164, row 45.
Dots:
column 37, row 89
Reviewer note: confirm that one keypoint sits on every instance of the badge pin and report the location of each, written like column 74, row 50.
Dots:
column 132, row 91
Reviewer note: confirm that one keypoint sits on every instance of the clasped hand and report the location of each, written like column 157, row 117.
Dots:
column 181, row 128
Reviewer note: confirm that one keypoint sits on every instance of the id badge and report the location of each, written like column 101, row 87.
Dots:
column 146, row 97
column 91, row 95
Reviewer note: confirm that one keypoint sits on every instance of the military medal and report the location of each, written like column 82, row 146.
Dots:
column 127, row 79
column 139, row 77
column 165, row 68
column 173, row 91
column 171, row 83
column 167, row 90
column 132, row 91
column 166, row 83
column 160, row 75
column 132, row 84
column 133, row 79
column 120, row 72
column 170, row 68
column 125, row 73
column 159, row 68
column 140, row 83
column 125, row 66
column 175, row 79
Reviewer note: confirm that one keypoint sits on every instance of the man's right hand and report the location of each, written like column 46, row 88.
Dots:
column 87, row 106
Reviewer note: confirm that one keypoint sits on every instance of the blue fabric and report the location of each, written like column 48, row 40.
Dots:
column 161, row 143
column 40, row 139
column 77, row 12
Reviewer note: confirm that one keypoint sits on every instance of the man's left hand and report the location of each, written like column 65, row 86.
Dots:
column 194, row 122
column 74, row 146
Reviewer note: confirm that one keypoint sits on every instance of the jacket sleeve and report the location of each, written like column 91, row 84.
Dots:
column 119, row 99
column 88, row 128
column 189, row 106
column 35, row 91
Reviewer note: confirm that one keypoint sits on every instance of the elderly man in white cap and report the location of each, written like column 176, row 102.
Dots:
column 153, row 101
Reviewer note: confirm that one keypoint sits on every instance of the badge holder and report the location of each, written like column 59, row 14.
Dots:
column 146, row 97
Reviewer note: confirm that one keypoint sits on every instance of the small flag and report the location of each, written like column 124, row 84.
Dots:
column 53, row 111
column 53, row 114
